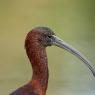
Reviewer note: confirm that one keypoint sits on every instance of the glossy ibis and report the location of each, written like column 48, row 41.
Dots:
column 35, row 44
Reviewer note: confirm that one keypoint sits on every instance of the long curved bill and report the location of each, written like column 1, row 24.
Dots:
column 60, row 43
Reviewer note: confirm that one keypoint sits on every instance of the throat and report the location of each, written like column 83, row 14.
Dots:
column 38, row 58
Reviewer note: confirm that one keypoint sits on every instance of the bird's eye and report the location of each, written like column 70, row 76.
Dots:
column 49, row 36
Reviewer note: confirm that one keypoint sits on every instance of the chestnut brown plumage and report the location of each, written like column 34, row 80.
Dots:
column 35, row 44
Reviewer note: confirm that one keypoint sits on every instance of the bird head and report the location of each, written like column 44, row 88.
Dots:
column 44, row 36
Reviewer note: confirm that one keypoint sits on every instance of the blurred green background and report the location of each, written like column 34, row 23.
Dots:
column 72, row 20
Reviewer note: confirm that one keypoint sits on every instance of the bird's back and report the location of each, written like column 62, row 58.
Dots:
column 25, row 90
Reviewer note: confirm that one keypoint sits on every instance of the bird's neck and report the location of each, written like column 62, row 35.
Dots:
column 38, row 58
